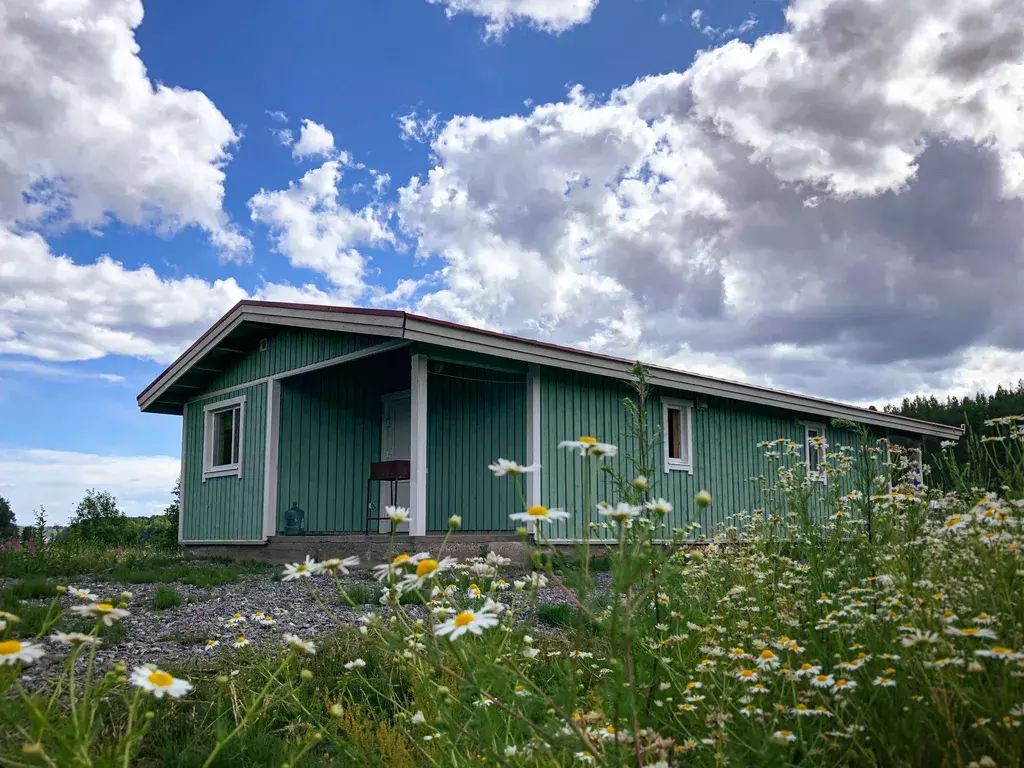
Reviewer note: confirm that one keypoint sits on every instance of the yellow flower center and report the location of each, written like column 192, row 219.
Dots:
column 537, row 511
column 588, row 440
column 1001, row 649
column 805, row 666
column 237, row 616
column 239, row 639
column 801, row 707
column 953, row 521
column 464, row 618
column 821, row 678
column 160, row 679
column 767, row 655
column 841, row 682
column 784, row 639
column 969, row 631
column 302, row 567
column 608, row 728
column 104, row 607
column 9, row 647
column 425, row 567
column 738, row 651
column 400, row 560
column 746, row 673
column 785, row 734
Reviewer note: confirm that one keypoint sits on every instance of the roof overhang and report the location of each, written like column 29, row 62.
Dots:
column 414, row 328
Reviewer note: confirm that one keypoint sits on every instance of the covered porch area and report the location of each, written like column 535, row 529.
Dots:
column 435, row 415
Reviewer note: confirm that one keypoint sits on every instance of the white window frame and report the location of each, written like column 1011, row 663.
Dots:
column 686, row 406
column 209, row 413
column 819, row 475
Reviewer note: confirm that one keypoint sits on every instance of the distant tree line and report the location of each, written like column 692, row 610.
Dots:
column 971, row 412
column 97, row 519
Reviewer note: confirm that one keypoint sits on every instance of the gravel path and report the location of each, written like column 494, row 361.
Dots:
column 179, row 634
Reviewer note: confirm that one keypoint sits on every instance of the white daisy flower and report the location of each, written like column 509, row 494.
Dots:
column 385, row 570
column 589, row 446
column 105, row 611
column 81, row 594
column 159, row 683
column 621, row 512
column 296, row 642
column 338, row 565
column 397, row 515
column 503, row 467
column 822, row 681
column 659, row 507
column 74, row 638
column 301, row 570
column 355, row 664
column 971, row 632
column 240, row 642
column 467, row 621
column 884, row 682
column 12, row 651
column 539, row 514
column 418, row 718
column 211, row 644
column 767, row 660
column 426, row 569
column 785, row 736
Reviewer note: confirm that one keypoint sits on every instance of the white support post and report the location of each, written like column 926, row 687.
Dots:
column 533, row 495
column 418, row 447
column 181, row 476
column 270, row 455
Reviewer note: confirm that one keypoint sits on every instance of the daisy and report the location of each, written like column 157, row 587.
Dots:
column 822, row 681
column 971, row 632
column 659, row 507
column 784, row 736
column 302, row 570
column 999, row 652
column 621, row 512
column 211, row 644
column 426, row 569
column 13, row 651
column 737, row 653
column 767, row 660
column 338, row 565
column 296, row 642
column 807, row 670
column 237, row 618
column 355, row 664
column 81, row 594
column 400, row 561
column 159, row 683
column 747, row 675
column 842, row 684
column 397, row 515
column 467, row 621
column 240, row 642
column 884, row 682
column 955, row 523
column 74, row 638
column 589, row 446
column 539, row 513
column 105, row 611
column 503, row 467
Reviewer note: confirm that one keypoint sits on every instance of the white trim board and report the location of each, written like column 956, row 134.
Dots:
column 270, row 456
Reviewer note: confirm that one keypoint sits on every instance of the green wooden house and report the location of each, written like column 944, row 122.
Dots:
column 287, row 405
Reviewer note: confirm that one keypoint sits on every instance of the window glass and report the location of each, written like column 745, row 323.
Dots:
column 675, row 433
column 814, row 450
column 225, row 438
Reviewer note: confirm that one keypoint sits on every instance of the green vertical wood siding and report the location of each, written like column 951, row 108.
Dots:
column 226, row 508
column 726, row 456
column 329, row 435
column 289, row 349
column 474, row 416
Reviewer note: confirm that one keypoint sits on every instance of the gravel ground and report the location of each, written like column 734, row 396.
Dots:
column 179, row 634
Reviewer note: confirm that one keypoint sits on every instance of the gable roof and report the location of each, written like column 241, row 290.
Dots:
column 249, row 319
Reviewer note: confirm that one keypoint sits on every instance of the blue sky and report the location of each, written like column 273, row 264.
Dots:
column 794, row 203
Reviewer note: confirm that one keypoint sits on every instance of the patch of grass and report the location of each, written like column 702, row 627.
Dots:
column 559, row 615
column 362, row 594
column 32, row 588
column 166, row 597
column 186, row 638
column 181, row 571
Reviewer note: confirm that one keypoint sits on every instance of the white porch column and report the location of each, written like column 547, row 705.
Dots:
column 533, row 495
column 270, row 454
column 418, row 447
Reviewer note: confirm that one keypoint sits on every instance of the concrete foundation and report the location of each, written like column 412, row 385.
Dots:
column 371, row 550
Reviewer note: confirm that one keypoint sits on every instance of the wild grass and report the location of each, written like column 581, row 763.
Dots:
column 166, row 597
column 778, row 642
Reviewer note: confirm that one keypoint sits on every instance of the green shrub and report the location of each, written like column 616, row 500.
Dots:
column 362, row 594
column 166, row 597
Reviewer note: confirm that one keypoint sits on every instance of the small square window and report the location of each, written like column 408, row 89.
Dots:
column 676, row 434
column 222, row 440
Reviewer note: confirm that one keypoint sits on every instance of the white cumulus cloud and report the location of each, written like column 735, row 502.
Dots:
column 88, row 136
column 555, row 16
column 314, row 141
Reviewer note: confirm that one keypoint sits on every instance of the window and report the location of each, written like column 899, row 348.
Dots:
column 222, row 445
column 676, row 434
column 814, row 435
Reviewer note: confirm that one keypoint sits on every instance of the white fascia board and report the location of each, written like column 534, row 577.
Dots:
column 418, row 330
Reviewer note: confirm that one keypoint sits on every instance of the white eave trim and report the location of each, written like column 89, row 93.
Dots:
column 412, row 328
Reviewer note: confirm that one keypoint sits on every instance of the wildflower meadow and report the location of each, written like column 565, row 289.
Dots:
column 860, row 617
